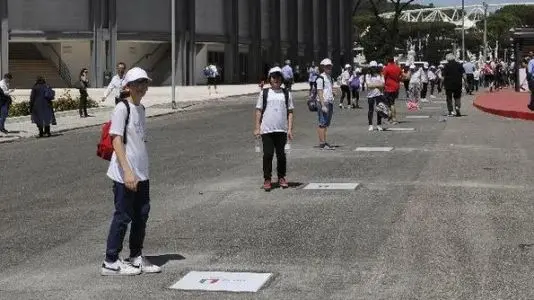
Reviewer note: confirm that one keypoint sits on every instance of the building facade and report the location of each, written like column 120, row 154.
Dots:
column 242, row 37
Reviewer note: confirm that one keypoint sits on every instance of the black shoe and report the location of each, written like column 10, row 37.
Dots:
column 4, row 131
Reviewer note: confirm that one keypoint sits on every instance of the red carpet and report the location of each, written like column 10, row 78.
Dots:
column 507, row 103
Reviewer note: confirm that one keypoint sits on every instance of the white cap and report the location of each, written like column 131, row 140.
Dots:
column 288, row 61
column 373, row 64
column 450, row 57
column 412, row 66
column 358, row 70
column 347, row 66
column 275, row 70
column 326, row 62
column 380, row 65
column 425, row 65
column 134, row 74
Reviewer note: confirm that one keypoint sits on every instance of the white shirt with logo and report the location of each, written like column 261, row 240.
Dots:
column 325, row 83
column 136, row 151
column 275, row 115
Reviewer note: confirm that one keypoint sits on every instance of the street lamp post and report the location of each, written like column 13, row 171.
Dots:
column 485, row 31
column 173, row 53
column 463, row 30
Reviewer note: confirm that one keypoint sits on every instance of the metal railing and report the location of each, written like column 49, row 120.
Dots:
column 148, row 55
column 63, row 69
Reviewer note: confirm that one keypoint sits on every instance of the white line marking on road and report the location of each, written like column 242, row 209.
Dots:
column 331, row 186
column 374, row 149
column 400, row 129
column 417, row 117
column 222, row 281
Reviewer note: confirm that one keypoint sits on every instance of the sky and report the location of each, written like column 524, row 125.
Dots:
column 467, row 2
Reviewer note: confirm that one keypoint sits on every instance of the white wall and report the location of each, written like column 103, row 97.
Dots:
column 130, row 52
column 76, row 55
column 209, row 17
column 243, row 18
column 143, row 15
column 201, row 61
column 69, row 15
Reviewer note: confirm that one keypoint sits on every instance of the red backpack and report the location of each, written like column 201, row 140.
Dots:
column 104, row 148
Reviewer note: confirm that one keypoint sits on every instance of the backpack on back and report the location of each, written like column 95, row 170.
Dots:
column 265, row 94
column 104, row 148
column 207, row 72
column 355, row 82
column 313, row 104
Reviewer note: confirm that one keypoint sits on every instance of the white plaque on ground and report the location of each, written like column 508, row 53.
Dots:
column 222, row 281
column 417, row 117
column 400, row 129
column 374, row 149
column 331, row 186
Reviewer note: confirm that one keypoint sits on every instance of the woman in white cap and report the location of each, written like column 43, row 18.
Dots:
column 355, row 84
column 375, row 96
column 424, row 82
column 345, row 90
column 415, row 87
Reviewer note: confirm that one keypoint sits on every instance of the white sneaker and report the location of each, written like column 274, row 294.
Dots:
column 142, row 264
column 424, row 100
column 341, row 106
column 371, row 128
column 432, row 96
column 119, row 267
column 379, row 128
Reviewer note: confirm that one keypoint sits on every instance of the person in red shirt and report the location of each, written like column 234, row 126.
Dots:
column 392, row 77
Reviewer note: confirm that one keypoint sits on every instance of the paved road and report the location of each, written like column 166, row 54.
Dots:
column 446, row 215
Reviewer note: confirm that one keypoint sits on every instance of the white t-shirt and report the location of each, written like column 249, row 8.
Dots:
column 115, row 86
column 416, row 77
column 374, row 80
column 325, row 83
column 275, row 115
column 345, row 77
column 136, row 152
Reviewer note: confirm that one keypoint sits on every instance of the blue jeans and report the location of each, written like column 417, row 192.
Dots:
column 131, row 207
column 4, row 111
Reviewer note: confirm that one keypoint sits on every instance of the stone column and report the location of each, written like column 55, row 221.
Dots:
column 308, row 24
column 322, row 40
column 231, row 48
column 97, row 44
column 347, row 31
column 191, row 42
column 293, row 28
column 112, row 9
column 274, row 31
column 4, row 39
column 254, row 50
column 336, row 43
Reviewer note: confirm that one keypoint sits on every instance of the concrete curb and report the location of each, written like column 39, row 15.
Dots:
column 523, row 115
column 75, row 127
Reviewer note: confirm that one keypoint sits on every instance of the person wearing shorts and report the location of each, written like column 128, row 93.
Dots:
column 392, row 76
column 325, row 96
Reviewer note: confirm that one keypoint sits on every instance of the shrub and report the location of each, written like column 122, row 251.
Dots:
column 62, row 103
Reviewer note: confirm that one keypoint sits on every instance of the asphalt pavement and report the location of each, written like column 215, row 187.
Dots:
column 446, row 214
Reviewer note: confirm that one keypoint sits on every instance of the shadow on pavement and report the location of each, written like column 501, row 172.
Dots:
column 161, row 260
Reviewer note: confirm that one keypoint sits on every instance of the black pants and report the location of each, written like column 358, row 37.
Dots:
column 432, row 86
column 477, row 83
column 406, row 87
column 439, row 84
column 274, row 142
column 457, row 95
column 82, row 106
column 355, row 96
column 345, row 92
column 424, row 90
column 372, row 102
column 470, row 78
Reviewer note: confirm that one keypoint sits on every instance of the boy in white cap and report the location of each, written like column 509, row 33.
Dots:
column 325, row 95
column 128, row 169
column 274, row 123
